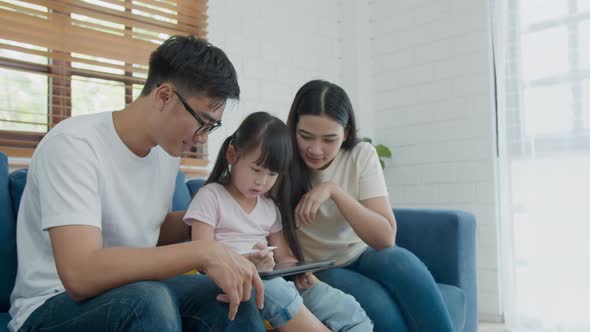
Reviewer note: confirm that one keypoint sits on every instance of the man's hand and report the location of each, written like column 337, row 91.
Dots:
column 235, row 275
column 262, row 259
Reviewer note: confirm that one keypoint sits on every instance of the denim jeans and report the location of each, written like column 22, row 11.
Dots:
column 340, row 312
column 183, row 303
column 281, row 301
column 393, row 286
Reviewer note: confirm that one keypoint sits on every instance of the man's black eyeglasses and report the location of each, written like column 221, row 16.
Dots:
column 205, row 127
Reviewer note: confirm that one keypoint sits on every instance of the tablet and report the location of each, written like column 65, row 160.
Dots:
column 290, row 268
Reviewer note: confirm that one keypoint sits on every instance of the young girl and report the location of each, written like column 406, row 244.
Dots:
column 342, row 207
column 245, row 203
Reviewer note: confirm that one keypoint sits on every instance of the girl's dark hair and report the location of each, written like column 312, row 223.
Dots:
column 318, row 98
column 270, row 134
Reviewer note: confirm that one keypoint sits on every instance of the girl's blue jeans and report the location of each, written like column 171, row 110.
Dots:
column 340, row 312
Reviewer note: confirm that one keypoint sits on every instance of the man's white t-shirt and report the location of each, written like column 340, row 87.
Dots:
column 83, row 174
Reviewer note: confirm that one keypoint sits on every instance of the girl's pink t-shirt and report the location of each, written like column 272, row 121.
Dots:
column 215, row 206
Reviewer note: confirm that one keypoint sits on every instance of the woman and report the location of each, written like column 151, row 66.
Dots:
column 343, row 213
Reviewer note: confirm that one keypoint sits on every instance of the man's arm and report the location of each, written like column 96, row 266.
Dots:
column 86, row 269
column 174, row 229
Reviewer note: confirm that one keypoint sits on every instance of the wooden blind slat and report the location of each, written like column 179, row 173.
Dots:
column 185, row 17
column 195, row 6
column 126, row 18
column 84, row 72
column 190, row 20
column 13, row 142
column 65, row 9
column 66, row 57
column 75, row 39
column 24, row 122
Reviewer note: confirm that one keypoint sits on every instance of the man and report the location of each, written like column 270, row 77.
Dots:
column 97, row 203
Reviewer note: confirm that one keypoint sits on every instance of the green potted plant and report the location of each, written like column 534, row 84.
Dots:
column 382, row 150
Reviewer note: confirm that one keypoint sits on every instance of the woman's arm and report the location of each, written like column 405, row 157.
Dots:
column 372, row 219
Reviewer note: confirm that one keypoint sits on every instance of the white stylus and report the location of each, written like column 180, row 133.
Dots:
column 251, row 251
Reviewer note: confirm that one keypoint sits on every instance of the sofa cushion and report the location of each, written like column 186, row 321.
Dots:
column 182, row 197
column 455, row 301
column 194, row 185
column 7, row 238
column 17, row 181
column 4, row 319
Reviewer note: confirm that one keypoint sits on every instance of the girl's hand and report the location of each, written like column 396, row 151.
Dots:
column 263, row 259
column 305, row 280
column 309, row 204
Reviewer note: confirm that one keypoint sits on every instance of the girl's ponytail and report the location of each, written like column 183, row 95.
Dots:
column 220, row 172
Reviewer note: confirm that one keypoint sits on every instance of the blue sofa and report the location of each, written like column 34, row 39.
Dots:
column 443, row 240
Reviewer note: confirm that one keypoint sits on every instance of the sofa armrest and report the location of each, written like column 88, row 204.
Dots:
column 7, row 238
column 445, row 241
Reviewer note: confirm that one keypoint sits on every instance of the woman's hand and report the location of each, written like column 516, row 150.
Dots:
column 310, row 203
column 263, row 259
column 305, row 280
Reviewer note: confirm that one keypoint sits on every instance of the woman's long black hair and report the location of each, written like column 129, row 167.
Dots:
column 318, row 98
column 263, row 130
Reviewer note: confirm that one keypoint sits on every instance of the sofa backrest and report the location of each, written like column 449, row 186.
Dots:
column 7, row 238
column 18, row 180
column 16, row 184
column 182, row 197
column 194, row 185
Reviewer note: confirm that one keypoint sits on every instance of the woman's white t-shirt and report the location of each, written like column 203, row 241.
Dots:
column 358, row 172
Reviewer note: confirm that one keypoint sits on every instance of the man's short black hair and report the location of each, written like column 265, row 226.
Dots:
column 194, row 66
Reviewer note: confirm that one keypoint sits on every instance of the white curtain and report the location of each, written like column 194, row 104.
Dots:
column 542, row 58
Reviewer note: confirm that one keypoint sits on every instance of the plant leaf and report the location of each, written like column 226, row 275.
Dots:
column 383, row 151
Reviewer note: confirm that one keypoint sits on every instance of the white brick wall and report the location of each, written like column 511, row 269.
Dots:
column 418, row 74
column 276, row 47
column 434, row 108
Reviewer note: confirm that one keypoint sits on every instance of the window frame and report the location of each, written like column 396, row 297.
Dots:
column 579, row 135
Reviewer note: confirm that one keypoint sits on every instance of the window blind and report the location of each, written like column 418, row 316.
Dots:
column 70, row 57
